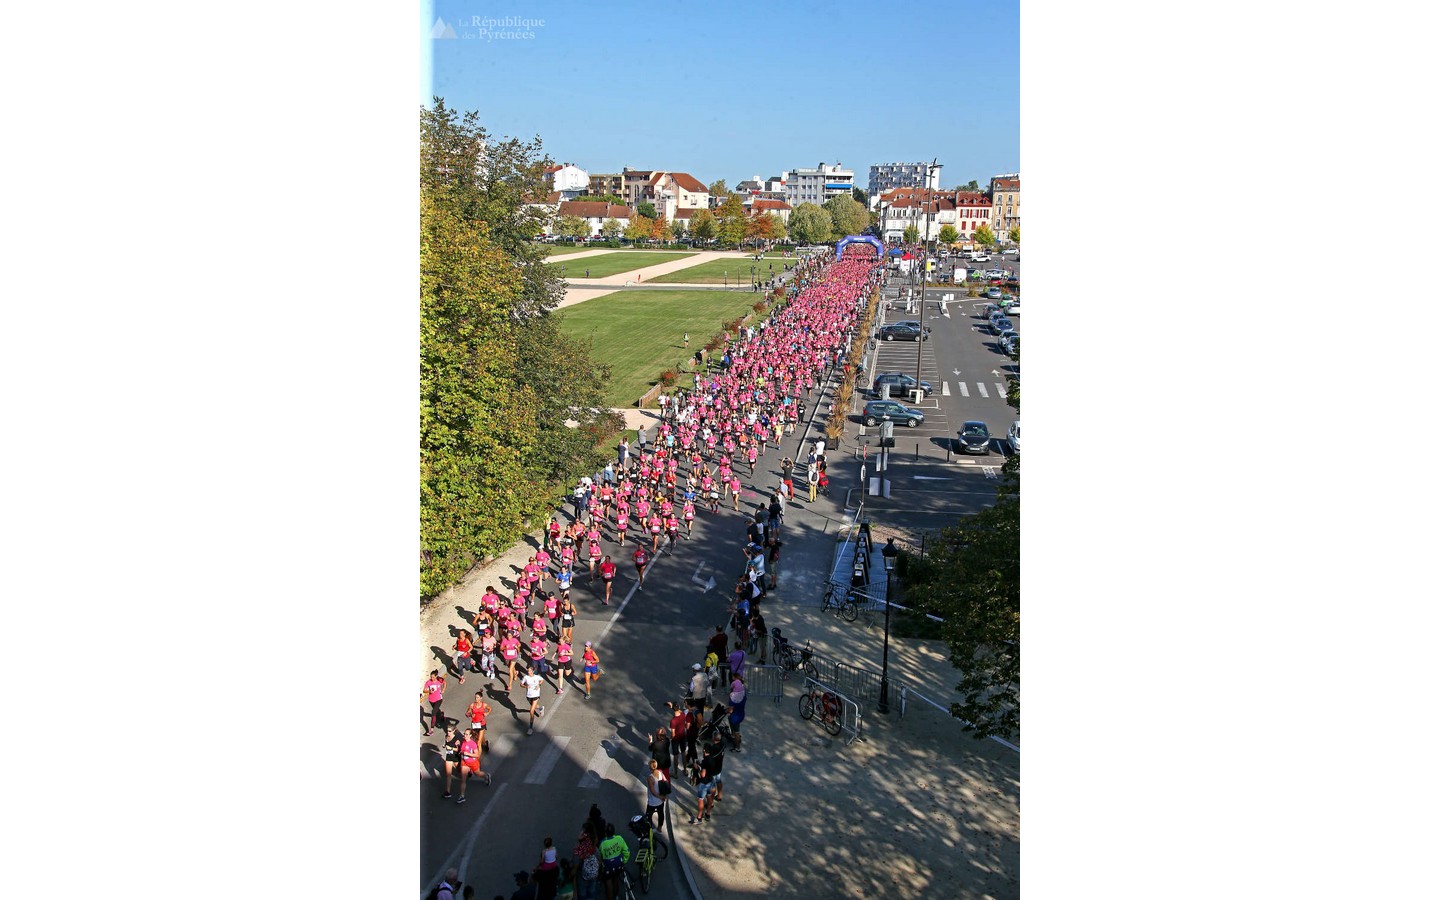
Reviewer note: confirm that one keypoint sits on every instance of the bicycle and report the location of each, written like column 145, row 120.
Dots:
column 790, row 660
column 650, row 851
column 846, row 606
column 826, row 703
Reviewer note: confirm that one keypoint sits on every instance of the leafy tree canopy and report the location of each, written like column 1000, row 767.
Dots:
column 846, row 215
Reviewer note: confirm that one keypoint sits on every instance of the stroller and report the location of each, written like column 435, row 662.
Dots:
column 824, row 485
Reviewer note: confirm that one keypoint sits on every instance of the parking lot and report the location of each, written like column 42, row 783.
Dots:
column 966, row 371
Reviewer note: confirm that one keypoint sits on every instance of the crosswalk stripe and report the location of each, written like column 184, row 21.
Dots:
column 547, row 760
column 981, row 387
column 999, row 389
column 595, row 771
column 944, row 388
column 964, row 391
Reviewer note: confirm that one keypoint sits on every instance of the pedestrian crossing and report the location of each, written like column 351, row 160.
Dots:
column 981, row 388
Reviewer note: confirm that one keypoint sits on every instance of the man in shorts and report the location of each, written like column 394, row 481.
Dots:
column 532, row 682
column 706, row 781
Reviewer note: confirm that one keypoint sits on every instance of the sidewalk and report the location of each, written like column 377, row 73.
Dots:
column 915, row 808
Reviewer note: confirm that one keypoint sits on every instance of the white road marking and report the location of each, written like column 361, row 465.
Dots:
column 547, row 760
column 469, row 842
column 595, row 771
column 944, row 388
column 980, row 386
column 999, row 389
column 964, row 391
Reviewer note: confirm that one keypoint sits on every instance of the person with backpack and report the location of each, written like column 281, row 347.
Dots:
column 587, row 862
column 447, row 889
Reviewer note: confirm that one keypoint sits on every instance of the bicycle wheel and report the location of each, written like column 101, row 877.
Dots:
column 807, row 706
column 850, row 610
column 628, row 891
column 832, row 724
column 644, row 877
column 662, row 849
column 810, row 669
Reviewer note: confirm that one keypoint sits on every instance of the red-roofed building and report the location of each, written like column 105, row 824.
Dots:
column 761, row 206
column 593, row 212
column 1005, row 196
column 929, row 211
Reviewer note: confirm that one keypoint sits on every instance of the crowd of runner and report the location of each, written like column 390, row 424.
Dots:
column 743, row 406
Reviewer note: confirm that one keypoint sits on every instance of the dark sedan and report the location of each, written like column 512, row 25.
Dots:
column 903, row 333
column 974, row 438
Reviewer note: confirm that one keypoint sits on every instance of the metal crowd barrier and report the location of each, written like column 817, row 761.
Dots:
column 849, row 710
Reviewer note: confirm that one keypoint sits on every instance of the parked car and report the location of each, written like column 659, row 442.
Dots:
column 1012, row 308
column 990, row 309
column 900, row 383
column 1002, row 342
column 1001, row 325
column 980, row 257
column 876, row 410
column 993, row 293
column 1012, row 251
column 904, row 333
column 975, row 437
column 1012, row 346
column 1012, row 437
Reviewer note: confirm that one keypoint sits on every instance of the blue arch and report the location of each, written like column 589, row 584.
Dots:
column 861, row 239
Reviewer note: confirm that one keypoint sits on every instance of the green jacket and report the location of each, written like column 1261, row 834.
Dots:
column 615, row 846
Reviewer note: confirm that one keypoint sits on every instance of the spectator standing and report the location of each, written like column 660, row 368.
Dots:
column 587, row 872
column 656, row 786
column 614, row 854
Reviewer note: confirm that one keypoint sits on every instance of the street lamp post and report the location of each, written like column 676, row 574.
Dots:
column 888, row 554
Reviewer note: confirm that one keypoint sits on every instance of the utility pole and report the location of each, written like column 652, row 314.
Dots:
column 920, row 343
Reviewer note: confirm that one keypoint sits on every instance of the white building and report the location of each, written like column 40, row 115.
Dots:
column 593, row 212
column 818, row 184
column 885, row 176
column 931, row 210
column 570, row 181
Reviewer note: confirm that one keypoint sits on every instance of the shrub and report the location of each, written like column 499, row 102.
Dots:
column 668, row 377
column 758, row 306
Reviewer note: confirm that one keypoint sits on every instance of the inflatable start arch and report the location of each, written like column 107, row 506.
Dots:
column 860, row 242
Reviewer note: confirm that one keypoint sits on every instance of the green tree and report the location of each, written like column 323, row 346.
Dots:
column 1015, row 235
column 731, row 215
column 973, row 187
column 509, row 408
column 679, row 229
column 984, row 236
column 646, row 209
column 718, row 188
column 948, row 234
column 810, row 224
column 572, row 227
column 911, row 235
column 703, row 225
column 601, row 198
column 846, row 215
column 777, row 227
column 638, row 229
column 859, row 195
column 610, row 229
column 973, row 583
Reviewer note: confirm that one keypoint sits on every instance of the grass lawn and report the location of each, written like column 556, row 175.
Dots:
column 612, row 263
column 713, row 272
column 638, row 333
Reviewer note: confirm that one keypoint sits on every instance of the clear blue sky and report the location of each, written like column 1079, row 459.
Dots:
column 739, row 88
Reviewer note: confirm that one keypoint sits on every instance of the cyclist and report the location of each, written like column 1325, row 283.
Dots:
column 614, row 854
